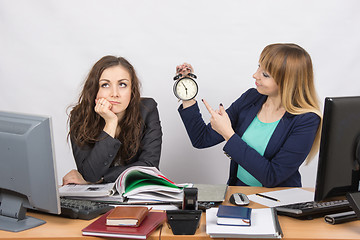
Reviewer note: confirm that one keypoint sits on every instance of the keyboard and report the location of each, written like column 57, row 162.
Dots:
column 310, row 210
column 82, row 209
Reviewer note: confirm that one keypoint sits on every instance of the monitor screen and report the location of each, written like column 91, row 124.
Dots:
column 27, row 170
column 338, row 167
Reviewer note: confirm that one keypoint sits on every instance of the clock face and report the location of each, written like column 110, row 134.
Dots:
column 185, row 88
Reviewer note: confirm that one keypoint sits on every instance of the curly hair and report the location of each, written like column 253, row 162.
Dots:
column 86, row 125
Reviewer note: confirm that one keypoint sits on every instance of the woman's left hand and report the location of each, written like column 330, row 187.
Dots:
column 74, row 177
column 220, row 121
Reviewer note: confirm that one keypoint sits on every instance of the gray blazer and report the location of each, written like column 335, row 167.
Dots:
column 95, row 162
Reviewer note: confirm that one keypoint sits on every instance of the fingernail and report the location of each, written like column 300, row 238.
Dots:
column 202, row 100
column 221, row 104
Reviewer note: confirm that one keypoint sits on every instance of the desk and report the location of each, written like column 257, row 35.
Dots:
column 59, row 228
column 64, row 228
column 292, row 228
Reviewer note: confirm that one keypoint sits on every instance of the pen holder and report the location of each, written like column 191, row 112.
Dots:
column 183, row 222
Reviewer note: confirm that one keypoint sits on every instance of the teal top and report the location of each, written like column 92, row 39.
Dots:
column 257, row 136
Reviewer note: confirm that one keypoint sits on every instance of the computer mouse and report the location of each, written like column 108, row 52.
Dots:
column 239, row 199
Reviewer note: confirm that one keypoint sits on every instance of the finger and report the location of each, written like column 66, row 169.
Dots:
column 189, row 67
column 99, row 101
column 66, row 182
column 178, row 68
column 104, row 103
column 222, row 109
column 211, row 111
column 108, row 104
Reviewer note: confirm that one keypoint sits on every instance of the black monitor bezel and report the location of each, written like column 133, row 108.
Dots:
column 339, row 114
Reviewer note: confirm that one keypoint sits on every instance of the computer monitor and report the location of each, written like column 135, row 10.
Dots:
column 339, row 155
column 27, row 170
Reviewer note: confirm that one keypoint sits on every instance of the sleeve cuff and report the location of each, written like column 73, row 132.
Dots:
column 232, row 145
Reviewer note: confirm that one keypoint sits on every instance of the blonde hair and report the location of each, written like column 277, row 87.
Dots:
column 291, row 68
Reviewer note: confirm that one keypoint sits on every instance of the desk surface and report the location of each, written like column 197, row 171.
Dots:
column 292, row 228
column 58, row 227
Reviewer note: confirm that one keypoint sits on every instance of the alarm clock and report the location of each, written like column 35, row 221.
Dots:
column 185, row 88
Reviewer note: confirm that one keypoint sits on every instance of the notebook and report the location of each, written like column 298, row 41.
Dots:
column 234, row 215
column 127, row 216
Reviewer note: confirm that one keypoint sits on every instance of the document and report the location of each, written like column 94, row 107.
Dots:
column 91, row 190
column 282, row 197
column 138, row 184
column 264, row 224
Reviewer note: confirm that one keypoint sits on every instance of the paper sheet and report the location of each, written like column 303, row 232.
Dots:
column 287, row 196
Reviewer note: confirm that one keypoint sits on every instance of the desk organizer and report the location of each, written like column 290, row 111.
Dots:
column 183, row 222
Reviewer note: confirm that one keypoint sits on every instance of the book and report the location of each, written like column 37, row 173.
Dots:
column 148, row 225
column 234, row 215
column 127, row 216
column 148, row 184
column 137, row 184
column 264, row 224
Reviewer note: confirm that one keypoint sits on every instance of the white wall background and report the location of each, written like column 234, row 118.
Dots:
column 47, row 47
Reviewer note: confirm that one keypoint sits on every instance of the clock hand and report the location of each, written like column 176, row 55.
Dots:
column 184, row 86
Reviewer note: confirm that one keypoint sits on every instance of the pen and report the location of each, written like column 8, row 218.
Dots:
column 264, row 196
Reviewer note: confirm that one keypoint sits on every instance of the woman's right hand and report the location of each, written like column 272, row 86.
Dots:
column 103, row 108
column 184, row 69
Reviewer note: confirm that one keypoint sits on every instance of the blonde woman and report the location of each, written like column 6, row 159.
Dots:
column 269, row 131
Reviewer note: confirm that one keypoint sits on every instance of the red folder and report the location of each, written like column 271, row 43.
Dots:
column 148, row 225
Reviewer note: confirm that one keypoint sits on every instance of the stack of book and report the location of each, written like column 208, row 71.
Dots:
column 126, row 222
column 242, row 222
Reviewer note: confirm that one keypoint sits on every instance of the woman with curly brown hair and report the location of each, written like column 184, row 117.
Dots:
column 111, row 127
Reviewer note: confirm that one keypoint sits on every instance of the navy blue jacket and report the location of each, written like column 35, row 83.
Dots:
column 286, row 151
